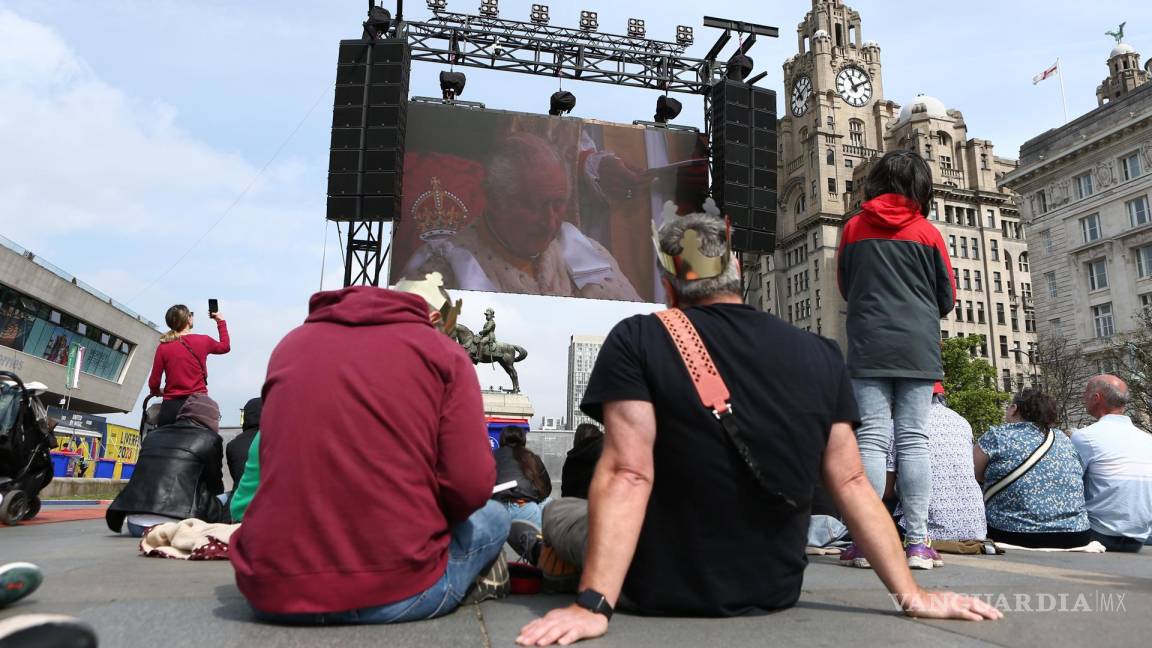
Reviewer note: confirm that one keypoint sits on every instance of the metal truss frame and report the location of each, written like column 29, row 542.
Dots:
column 366, row 254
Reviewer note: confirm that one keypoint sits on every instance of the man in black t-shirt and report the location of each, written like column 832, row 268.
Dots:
column 678, row 524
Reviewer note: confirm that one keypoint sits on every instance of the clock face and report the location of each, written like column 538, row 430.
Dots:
column 854, row 86
column 801, row 93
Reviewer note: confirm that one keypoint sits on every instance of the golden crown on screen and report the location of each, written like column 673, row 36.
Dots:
column 438, row 213
column 692, row 264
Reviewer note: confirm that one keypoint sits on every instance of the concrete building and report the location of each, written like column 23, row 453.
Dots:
column 582, row 352
column 44, row 312
column 1085, row 190
column 837, row 121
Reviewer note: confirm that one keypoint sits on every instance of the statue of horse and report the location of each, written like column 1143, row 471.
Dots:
column 505, row 355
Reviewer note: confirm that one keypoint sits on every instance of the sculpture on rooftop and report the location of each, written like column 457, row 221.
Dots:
column 1118, row 34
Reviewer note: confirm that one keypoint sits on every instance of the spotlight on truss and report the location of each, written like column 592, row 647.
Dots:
column 667, row 109
column 490, row 8
column 379, row 20
column 739, row 66
column 684, row 35
column 452, row 84
column 636, row 28
column 589, row 21
column 562, row 102
column 437, row 6
column 540, row 14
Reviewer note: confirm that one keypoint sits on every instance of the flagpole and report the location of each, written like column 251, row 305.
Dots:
column 1063, row 99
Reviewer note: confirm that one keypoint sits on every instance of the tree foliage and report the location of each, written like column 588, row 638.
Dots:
column 970, row 383
column 1131, row 360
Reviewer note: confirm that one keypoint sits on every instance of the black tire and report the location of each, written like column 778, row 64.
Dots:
column 13, row 507
column 33, row 508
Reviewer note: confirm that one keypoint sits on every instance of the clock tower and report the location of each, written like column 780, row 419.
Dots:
column 835, row 120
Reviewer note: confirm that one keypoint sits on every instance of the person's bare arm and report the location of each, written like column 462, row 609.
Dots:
column 617, row 500
column 979, row 462
column 873, row 531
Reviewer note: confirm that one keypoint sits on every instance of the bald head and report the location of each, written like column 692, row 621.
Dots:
column 1105, row 394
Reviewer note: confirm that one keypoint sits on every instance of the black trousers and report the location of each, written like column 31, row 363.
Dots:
column 1056, row 540
column 1118, row 543
column 169, row 410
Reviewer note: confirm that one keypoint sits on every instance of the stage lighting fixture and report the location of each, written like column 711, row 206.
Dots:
column 684, row 35
column 667, row 109
column 636, row 28
column 540, row 14
column 379, row 20
column 490, row 8
column 589, row 21
column 562, row 102
column 452, row 84
column 739, row 67
column 437, row 6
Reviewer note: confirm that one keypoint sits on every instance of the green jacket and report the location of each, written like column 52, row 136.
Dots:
column 242, row 495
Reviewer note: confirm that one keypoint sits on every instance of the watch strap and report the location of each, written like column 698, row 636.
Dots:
column 595, row 602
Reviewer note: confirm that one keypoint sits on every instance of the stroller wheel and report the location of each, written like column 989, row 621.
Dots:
column 33, row 508
column 14, row 507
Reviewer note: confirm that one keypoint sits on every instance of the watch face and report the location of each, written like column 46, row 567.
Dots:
column 801, row 93
column 854, row 86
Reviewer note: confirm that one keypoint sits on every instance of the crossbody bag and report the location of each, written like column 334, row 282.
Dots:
column 200, row 362
column 713, row 393
column 1022, row 469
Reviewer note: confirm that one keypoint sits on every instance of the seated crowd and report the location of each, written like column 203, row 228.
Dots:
column 413, row 510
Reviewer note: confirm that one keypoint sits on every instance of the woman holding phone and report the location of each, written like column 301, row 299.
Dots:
column 182, row 359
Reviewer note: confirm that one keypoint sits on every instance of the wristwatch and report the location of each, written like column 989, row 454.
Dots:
column 595, row 602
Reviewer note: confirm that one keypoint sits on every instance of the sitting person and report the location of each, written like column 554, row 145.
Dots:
column 179, row 474
column 576, row 476
column 237, row 449
column 515, row 462
column 1117, row 460
column 956, row 508
column 245, row 489
column 1043, row 505
column 373, row 502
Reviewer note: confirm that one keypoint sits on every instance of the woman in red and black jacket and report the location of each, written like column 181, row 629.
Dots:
column 182, row 358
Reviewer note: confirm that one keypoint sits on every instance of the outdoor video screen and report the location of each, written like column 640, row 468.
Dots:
column 531, row 204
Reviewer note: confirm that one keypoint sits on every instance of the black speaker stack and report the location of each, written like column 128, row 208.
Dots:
column 744, row 162
column 368, row 117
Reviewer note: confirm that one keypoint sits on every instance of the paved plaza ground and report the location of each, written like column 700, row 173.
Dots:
column 135, row 601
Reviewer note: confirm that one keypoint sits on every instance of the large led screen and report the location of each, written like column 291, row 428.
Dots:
column 537, row 205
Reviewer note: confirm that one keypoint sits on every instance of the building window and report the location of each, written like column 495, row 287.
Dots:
column 831, row 185
column 991, row 219
column 1041, row 202
column 830, row 157
column 1015, row 318
column 976, row 249
column 856, row 132
column 952, row 244
column 1102, row 317
column 1046, row 238
column 1003, row 346
column 971, row 218
column 997, row 284
column 1144, row 262
column 1030, row 321
column 948, row 213
column 1000, row 313
column 1006, row 377
column 1098, row 274
column 1146, row 302
column 964, row 247
column 969, row 311
column 984, row 161
column 980, row 312
column 1050, row 282
column 830, row 121
column 956, row 277
column 994, row 249
column 1090, row 228
column 946, row 162
column 848, row 186
column 817, row 298
column 1023, row 261
column 1130, row 167
column 1083, row 185
column 943, row 334
column 979, row 282
column 934, row 211
column 847, row 163
column 967, row 280
column 1138, row 211
column 814, row 189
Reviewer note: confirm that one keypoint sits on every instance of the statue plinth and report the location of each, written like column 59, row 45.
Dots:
column 501, row 404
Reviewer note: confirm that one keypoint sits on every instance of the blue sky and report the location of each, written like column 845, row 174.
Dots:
column 129, row 127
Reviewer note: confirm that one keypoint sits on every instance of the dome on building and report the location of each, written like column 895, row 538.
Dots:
column 1121, row 49
column 820, row 33
column 871, row 45
column 923, row 104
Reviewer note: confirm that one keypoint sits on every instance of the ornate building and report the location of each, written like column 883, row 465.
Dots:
column 838, row 120
column 1086, row 189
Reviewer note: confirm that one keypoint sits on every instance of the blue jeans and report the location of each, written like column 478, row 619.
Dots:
column 529, row 511
column 476, row 542
column 900, row 406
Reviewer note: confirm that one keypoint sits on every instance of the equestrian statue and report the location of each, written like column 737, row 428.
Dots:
column 485, row 349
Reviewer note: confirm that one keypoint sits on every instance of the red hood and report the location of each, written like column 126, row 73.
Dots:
column 891, row 211
column 367, row 306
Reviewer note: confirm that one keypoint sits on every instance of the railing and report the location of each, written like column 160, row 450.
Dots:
column 860, row 151
column 31, row 256
column 794, row 165
column 952, row 174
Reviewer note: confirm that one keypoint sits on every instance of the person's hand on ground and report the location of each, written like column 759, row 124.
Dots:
column 947, row 605
column 563, row 626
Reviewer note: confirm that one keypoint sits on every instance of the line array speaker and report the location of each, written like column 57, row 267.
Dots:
column 744, row 162
column 369, row 112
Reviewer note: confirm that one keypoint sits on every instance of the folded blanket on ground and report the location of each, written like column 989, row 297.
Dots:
column 822, row 551
column 190, row 539
column 1091, row 547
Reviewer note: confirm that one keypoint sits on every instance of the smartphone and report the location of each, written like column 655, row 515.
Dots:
column 213, row 306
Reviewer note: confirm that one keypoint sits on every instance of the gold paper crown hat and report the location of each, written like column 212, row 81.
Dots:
column 692, row 264
column 431, row 288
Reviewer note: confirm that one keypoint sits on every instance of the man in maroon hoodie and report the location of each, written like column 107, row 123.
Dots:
column 895, row 274
column 375, row 469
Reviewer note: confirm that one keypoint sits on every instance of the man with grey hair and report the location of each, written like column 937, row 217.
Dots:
column 1117, row 459
column 701, row 510
column 522, row 243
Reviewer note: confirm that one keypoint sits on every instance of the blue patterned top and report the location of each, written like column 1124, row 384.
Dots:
column 1050, row 497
